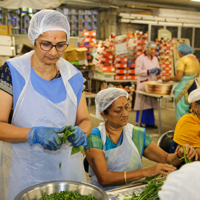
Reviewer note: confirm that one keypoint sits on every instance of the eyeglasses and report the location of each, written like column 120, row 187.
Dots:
column 47, row 46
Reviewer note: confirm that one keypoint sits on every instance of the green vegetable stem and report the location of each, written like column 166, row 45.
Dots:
column 185, row 157
column 151, row 190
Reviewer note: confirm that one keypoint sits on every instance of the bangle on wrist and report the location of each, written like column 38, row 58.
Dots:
column 125, row 177
column 178, row 155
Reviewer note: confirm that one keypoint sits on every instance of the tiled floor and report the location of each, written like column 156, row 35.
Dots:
column 168, row 122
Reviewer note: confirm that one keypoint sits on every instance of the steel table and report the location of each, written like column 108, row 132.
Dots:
column 159, row 97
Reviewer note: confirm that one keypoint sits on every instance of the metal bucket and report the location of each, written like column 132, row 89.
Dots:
column 35, row 192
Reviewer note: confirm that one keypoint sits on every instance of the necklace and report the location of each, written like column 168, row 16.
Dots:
column 111, row 138
column 55, row 70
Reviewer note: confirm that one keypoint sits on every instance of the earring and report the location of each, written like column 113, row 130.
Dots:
column 105, row 120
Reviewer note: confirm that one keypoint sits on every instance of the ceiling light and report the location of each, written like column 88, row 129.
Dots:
column 195, row 0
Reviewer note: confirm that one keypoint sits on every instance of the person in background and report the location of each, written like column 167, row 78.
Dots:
column 46, row 93
column 182, row 184
column 187, row 130
column 187, row 70
column 147, row 69
column 114, row 149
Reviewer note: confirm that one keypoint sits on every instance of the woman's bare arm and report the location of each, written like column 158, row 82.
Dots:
column 83, row 118
column 8, row 132
column 105, row 177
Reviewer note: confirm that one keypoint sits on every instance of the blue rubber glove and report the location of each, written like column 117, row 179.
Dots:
column 153, row 70
column 45, row 136
column 159, row 70
column 78, row 138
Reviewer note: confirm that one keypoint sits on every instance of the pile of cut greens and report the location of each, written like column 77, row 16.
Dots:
column 67, row 195
column 153, row 186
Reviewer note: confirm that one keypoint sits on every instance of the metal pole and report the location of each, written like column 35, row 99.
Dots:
column 141, row 109
column 159, row 116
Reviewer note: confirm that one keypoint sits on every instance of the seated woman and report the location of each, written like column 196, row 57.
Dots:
column 115, row 148
column 187, row 130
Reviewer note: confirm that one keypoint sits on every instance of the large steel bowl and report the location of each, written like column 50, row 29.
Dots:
column 35, row 192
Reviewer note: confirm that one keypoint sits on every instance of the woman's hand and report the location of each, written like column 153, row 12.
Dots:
column 159, row 169
column 167, row 79
column 189, row 151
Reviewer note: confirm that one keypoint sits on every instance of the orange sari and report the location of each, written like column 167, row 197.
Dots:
column 187, row 131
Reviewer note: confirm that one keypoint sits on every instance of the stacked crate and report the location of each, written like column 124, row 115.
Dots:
column 104, row 57
column 121, row 67
column 87, row 39
column 121, row 56
column 142, row 40
column 107, row 61
column 165, row 57
column 90, row 40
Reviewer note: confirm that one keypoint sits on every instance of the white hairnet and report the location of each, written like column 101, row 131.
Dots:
column 182, row 184
column 194, row 95
column 150, row 44
column 47, row 20
column 106, row 97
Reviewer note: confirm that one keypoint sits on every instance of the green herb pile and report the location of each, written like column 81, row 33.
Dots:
column 67, row 195
column 64, row 139
column 151, row 190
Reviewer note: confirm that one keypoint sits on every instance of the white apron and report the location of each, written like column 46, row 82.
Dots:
column 32, row 165
column 123, row 158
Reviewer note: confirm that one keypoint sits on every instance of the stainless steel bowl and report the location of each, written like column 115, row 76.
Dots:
column 35, row 192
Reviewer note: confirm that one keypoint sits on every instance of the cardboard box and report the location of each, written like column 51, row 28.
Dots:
column 73, row 54
column 121, row 71
column 80, row 62
column 121, row 48
column 6, row 40
column 22, row 49
column 131, row 77
column 103, row 76
column 120, row 77
column 7, row 51
column 5, row 30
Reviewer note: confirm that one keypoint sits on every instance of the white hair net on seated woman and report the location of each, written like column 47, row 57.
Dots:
column 182, row 184
column 106, row 97
column 150, row 44
column 194, row 96
column 47, row 20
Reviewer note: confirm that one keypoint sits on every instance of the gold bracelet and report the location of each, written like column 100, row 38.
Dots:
column 125, row 177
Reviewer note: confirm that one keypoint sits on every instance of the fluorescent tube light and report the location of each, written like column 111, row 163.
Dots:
column 196, row 0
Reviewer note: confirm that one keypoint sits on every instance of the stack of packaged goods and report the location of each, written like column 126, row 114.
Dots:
column 121, row 56
column 103, row 60
column 165, row 56
column 90, row 41
column 87, row 39
column 136, row 47
column 142, row 40
column 121, row 67
column 132, row 50
column 107, row 61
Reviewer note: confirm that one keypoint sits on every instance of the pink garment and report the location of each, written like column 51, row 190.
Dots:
column 142, row 64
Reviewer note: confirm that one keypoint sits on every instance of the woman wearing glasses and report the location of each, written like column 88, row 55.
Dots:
column 46, row 93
